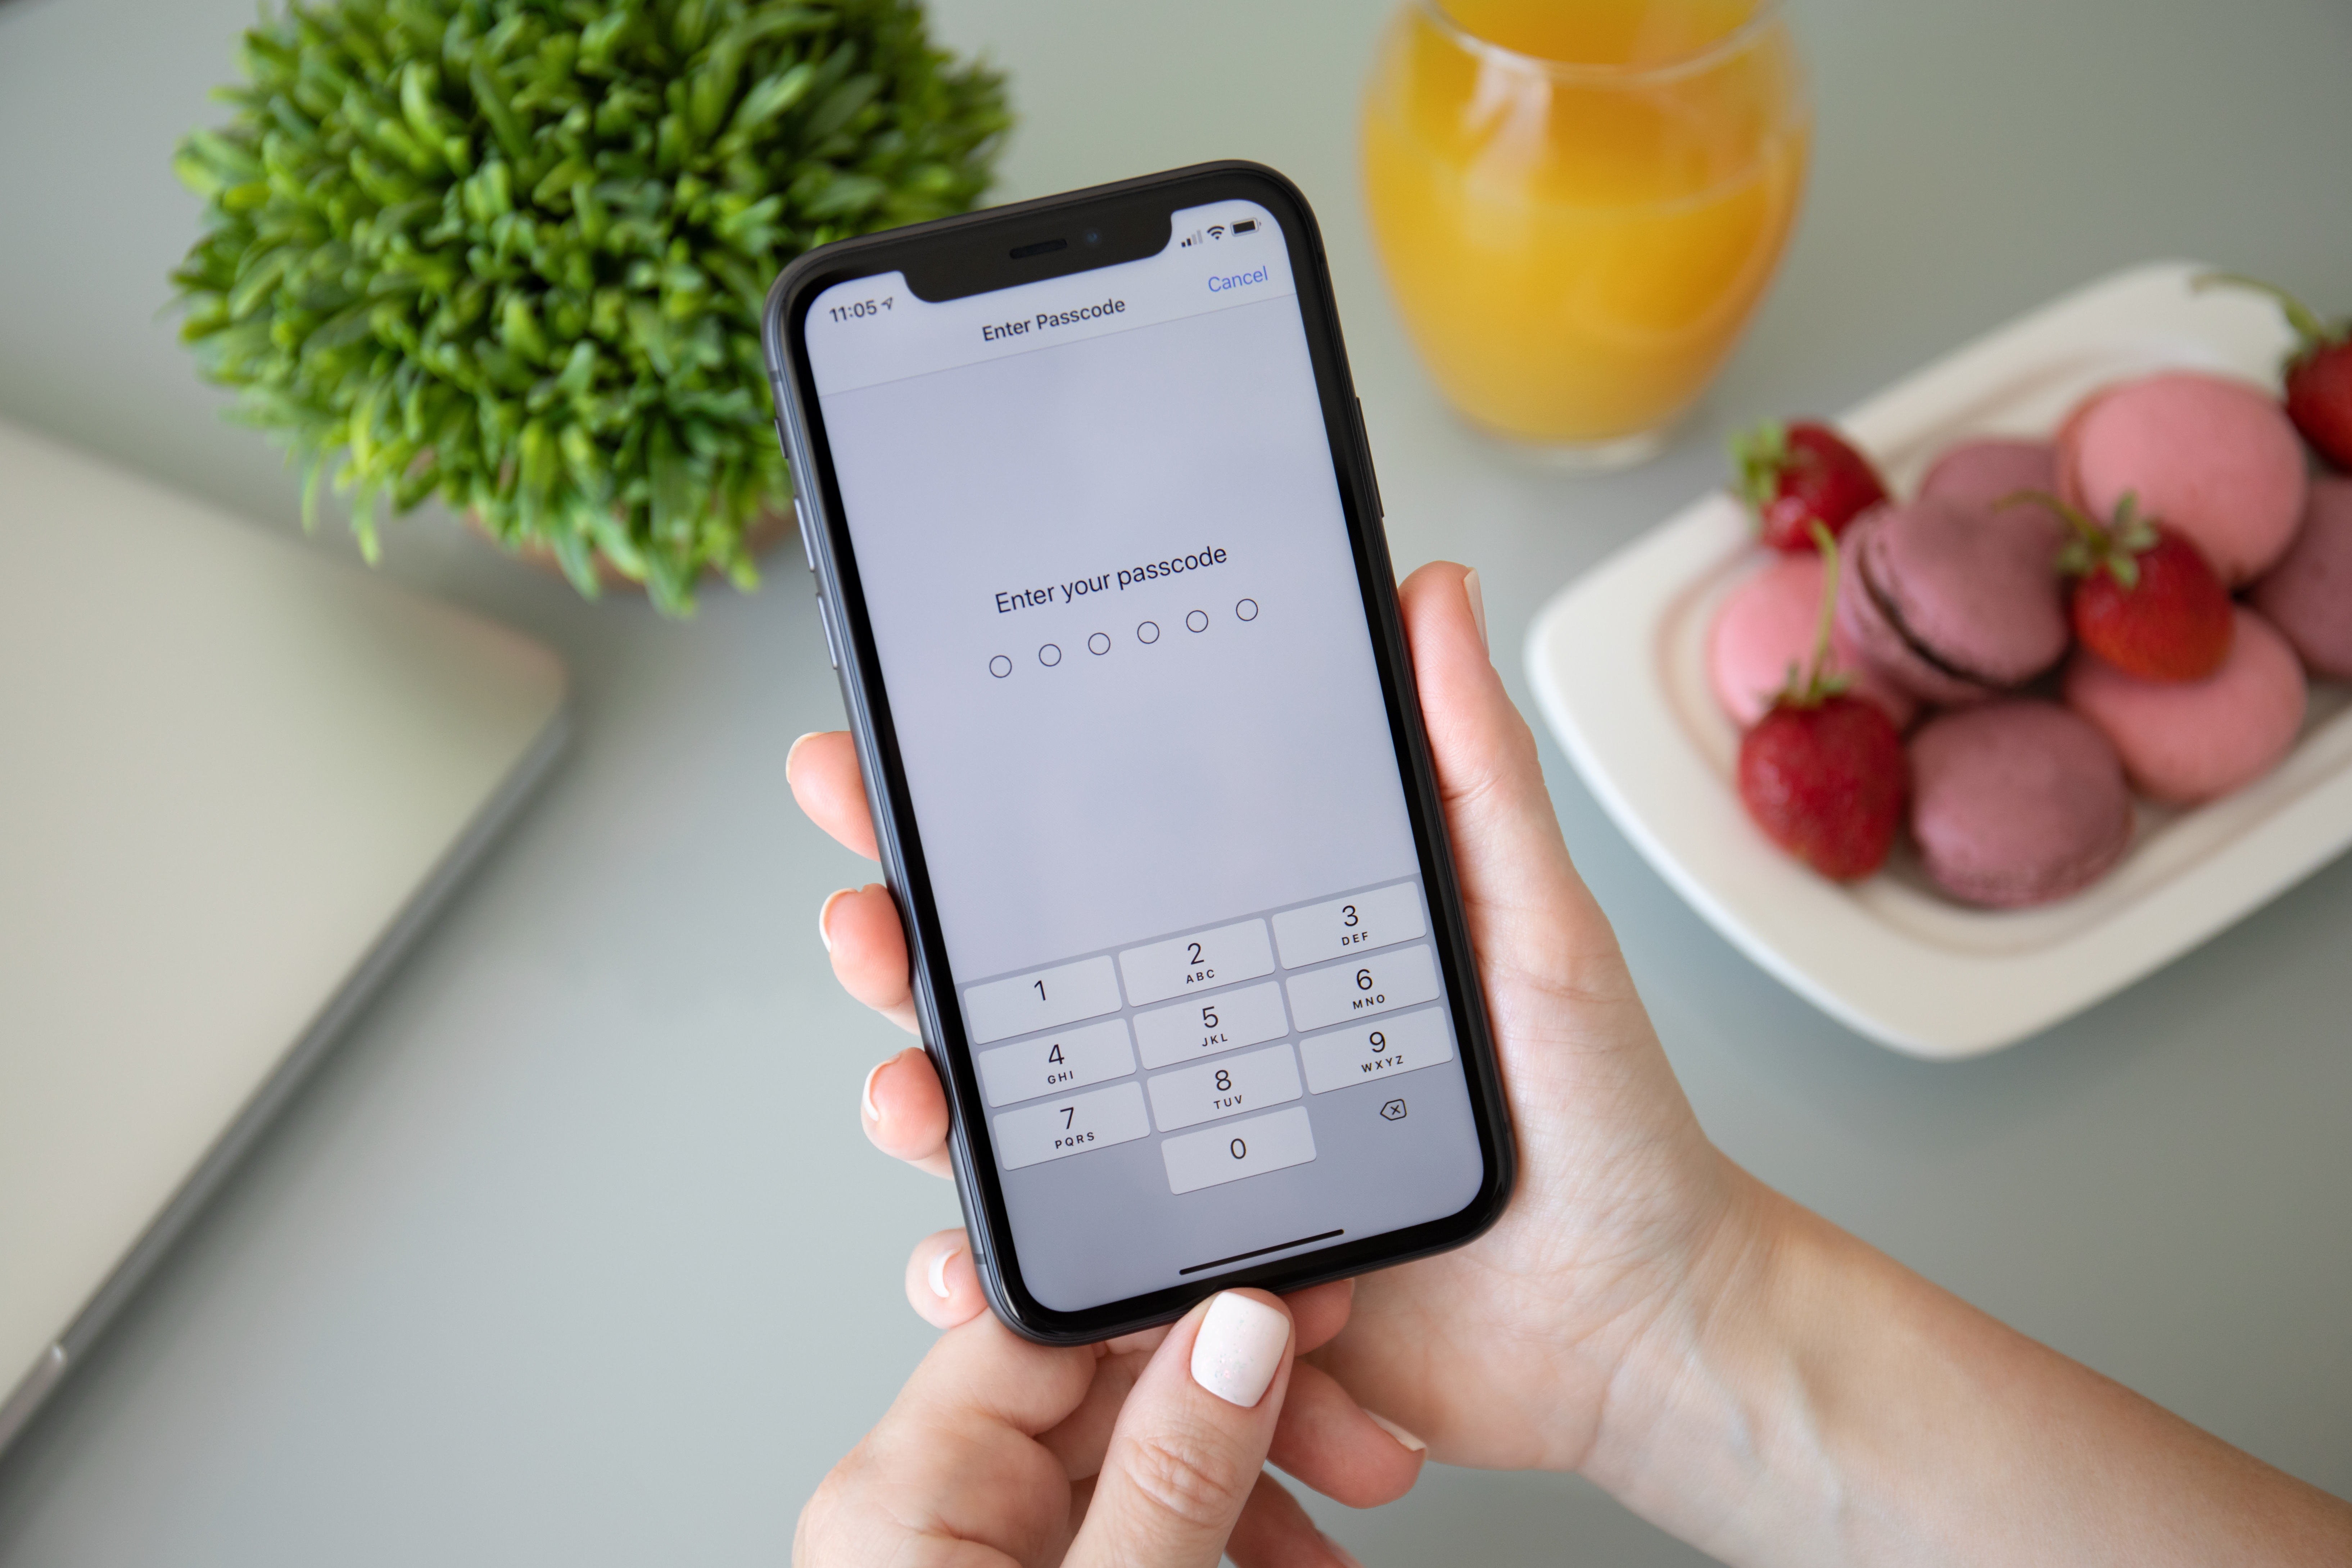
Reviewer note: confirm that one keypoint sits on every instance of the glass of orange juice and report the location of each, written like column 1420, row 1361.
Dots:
column 1578, row 202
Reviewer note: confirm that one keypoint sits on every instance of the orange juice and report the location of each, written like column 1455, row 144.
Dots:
column 1579, row 201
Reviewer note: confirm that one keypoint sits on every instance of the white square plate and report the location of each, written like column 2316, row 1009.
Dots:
column 1618, row 662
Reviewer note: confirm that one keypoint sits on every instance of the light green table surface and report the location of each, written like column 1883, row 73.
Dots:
column 575, row 1254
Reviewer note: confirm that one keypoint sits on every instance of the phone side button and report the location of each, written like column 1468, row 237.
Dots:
column 1364, row 439
column 808, row 543
column 832, row 644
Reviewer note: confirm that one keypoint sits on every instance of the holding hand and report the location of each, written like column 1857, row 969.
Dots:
column 1731, row 1367
column 1499, row 1353
column 1145, row 1452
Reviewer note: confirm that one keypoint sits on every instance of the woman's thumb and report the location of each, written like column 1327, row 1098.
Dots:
column 1529, row 909
column 1192, row 1438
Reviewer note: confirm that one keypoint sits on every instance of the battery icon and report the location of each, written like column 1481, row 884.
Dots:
column 1246, row 225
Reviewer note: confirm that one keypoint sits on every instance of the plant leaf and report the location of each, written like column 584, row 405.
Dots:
column 512, row 253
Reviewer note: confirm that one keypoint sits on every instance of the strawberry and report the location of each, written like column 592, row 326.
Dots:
column 2318, row 371
column 1827, row 782
column 2146, row 599
column 1800, row 473
column 1823, row 773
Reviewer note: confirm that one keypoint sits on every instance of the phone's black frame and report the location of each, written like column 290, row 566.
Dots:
column 998, row 248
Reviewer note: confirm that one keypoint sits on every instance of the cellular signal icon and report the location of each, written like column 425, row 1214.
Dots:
column 1192, row 238
column 1216, row 231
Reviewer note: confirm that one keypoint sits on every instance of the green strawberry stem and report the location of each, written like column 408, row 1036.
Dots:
column 2312, row 333
column 2116, row 545
column 1813, row 687
column 1759, row 453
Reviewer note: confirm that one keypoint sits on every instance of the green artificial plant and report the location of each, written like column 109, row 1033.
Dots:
column 512, row 253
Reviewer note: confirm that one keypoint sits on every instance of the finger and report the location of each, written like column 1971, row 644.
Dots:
column 1579, row 1056
column 1529, row 909
column 1319, row 1313
column 982, row 1372
column 1274, row 1531
column 942, row 1286
column 952, row 1474
column 1344, row 1456
column 1143, row 1340
column 859, row 927
column 1192, row 1439
column 1083, row 1438
column 821, row 768
column 1332, row 1444
column 905, row 1112
column 1082, row 1498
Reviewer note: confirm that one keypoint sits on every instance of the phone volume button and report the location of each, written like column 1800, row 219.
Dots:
column 832, row 643
column 808, row 541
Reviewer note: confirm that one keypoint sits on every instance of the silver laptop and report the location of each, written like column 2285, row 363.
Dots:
column 234, row 776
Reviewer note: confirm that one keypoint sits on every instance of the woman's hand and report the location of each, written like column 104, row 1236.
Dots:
column 1145, row 1452
column 1499, row 1353
column 1323, row 1437
column 1731, row 1367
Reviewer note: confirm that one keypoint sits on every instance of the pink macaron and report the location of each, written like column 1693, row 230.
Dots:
column 1767, row 624
column 2016, row 803
column 2308, row 595
column 2218, row 459
column 2186, row 741
column 1954, row 602
column 1981, row 473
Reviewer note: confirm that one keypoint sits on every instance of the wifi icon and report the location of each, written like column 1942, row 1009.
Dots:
column 1216, row 231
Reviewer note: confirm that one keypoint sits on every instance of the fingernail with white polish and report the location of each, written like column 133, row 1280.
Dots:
column 824, row 917
column 1239, row 1349
column 1399, row 1433
column 939, row 1286
column 874, row 1111
column 795, row 751
column 1477, row 606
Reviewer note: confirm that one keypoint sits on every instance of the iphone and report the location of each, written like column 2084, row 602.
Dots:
column 1097, row 546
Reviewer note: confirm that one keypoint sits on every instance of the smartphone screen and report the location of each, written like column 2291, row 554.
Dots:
column 1133, row 680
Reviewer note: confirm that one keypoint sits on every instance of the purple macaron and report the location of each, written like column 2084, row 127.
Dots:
column 1952, row 601
column 1980, row 472
column 2308, row 595
column 2017, row 803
